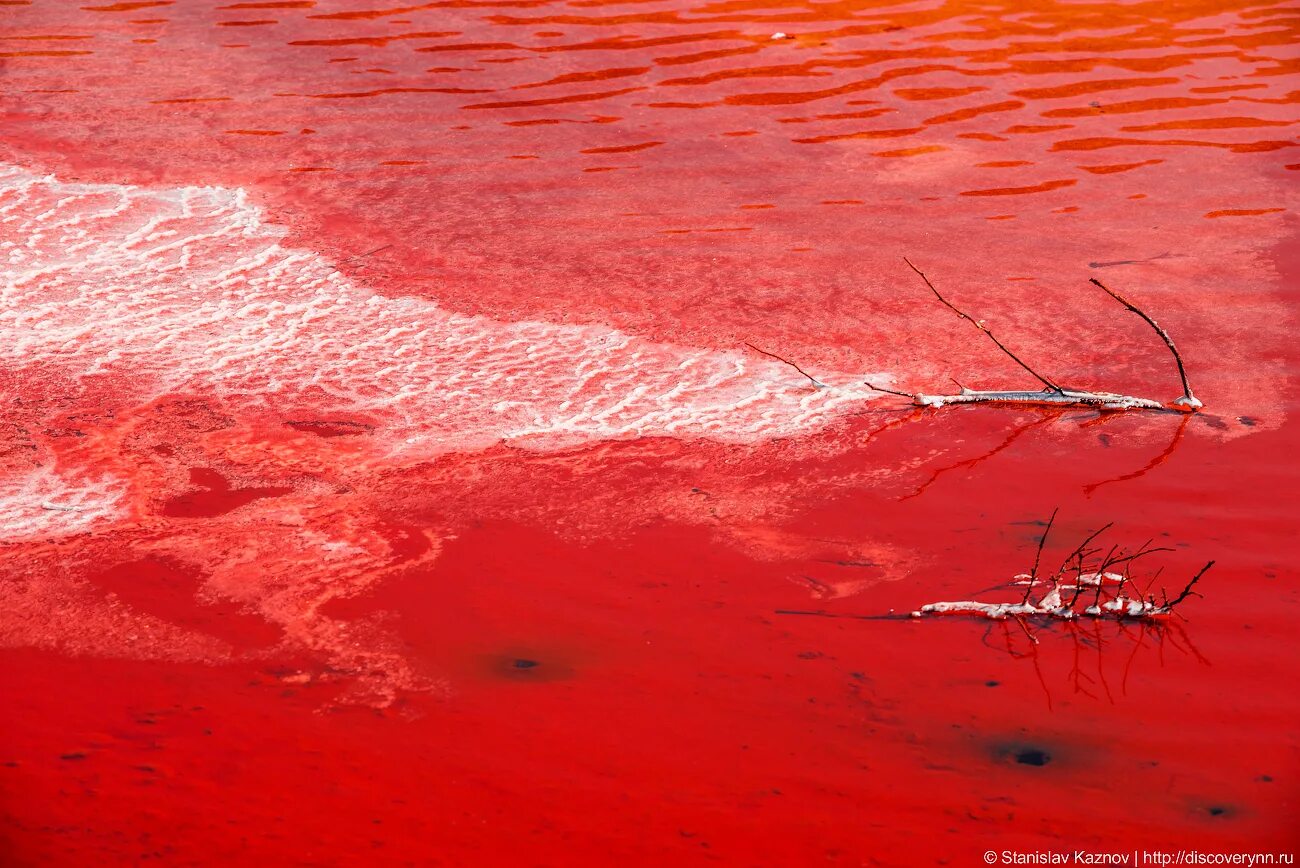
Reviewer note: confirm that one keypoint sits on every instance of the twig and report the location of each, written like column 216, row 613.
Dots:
column 1187, row 591
column 1081, row 547
column 1038, row 556
column 1188, row 399
column 364, row 255
column 1025, row 627
column 979, row 325
column 876, row 388
column 342, row 262
column 1115, row 593
column 1052, row 393
column 816, row 382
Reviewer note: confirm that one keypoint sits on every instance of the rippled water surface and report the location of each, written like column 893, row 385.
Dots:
column 392, row 472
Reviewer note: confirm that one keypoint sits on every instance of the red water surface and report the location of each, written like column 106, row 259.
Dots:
column 259, row 618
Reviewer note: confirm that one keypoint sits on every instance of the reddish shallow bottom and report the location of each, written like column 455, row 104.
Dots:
column 655, row 695
column 642, row 700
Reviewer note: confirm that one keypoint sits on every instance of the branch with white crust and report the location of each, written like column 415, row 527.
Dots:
column 1052, row 393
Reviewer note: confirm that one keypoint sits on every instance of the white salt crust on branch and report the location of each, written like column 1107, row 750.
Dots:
column 1052, row 393
column 1084, row 586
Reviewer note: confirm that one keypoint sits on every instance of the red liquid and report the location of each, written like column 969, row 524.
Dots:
column 284, row 635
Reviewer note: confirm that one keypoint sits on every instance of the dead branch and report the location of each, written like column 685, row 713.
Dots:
column 1038, row 556
column 364, row 255
column 1187, row 591
column 979, row 325
column 1052, row 393
column 1115, row 595
column 816, row 382
column 1065, row 397
column 876, row 388
column 1188, row 399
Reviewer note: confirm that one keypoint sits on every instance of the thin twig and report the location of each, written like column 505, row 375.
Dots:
column 1042, row 540
column 1079, row 551
column 816, row 382
column 1187, row 591
column 364, row 255
column 979, row 325
column 1188, row 400
column 876, row 388
column 1025, row 627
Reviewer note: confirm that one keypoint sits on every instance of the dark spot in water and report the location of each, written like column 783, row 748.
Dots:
column 991, row 683
column 1265, row 779
column 1025, row 752
column 1248, row 421
column 1217, row 811
column 75, row 755
column 1033, row 757
column 532, row 665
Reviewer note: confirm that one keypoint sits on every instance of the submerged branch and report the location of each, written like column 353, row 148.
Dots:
column 816, row 382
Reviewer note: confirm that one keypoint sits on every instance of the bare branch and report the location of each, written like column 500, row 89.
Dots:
column 1188, row 399
column 1187, row 591
column 1038, row 556
column 816, row 382
column 1063, row 398
column 1052, row 394
column 1080, row 549
column 1115, row 594
column 875, row 388
column 364, row 255
column 979, row 325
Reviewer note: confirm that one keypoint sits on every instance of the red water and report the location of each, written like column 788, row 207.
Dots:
column 308, row 559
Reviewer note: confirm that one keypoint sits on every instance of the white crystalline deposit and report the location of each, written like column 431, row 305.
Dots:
column 180, row 288
column 1059, row 602
column 189, row 290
